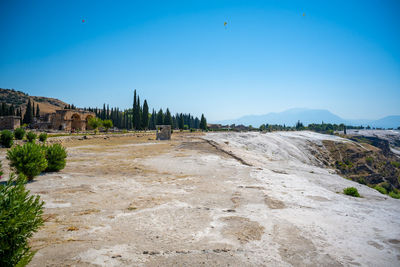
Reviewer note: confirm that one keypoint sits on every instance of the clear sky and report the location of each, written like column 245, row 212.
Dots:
column 343, row 56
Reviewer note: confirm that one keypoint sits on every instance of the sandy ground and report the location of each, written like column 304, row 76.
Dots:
column 226, row 199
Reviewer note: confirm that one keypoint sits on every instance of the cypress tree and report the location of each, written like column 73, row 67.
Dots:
column 160, row 117
column 203, row 123
column 137, row 115
column 3, row 109
column 103, row 113
column 145, row 115
column 188, row 121
column 11, row 110
column 152, row 124
column 28, row 113
column 181, row 122
column 196, row 123
column 168, row 118
column 37, row 111
column 134, row 107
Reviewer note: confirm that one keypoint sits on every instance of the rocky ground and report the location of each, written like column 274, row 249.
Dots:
column 226, row 199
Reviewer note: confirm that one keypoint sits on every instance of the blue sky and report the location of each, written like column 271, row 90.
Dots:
column 343, row 56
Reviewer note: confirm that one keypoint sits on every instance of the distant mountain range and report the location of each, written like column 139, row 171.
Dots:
column 307, row 116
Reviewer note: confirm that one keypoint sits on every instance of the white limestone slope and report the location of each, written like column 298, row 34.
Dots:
column 353, row 231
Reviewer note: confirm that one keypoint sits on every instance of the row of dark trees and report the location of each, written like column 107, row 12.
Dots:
column 139, row 117
column 136, row 118
column 8, row 110
column 317, row 127
column 30, row 112
column 70, row 107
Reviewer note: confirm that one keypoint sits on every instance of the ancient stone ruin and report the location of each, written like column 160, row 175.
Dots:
column 9, row 122
column 64, row 119
column 163, row 132
column 71, row 119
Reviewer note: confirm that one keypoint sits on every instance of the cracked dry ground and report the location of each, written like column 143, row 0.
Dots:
column 133, row 201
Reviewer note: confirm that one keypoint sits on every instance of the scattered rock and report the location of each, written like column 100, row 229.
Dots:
column 230, row 210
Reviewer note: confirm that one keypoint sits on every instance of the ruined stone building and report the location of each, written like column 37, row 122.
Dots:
column 70, row 119
column 65, row 119
column 10, row 122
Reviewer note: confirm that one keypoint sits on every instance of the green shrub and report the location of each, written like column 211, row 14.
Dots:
column 369, row 160
column 387, row 186
column 107, row 124
column 394, row 195
column 31, row 136
column 6, row 138
column 361, row 180
column 351, row 191
column 380, row 189
column 28, row 159
column 95, row 123
column 19, row 133
column 43, row 137
column 20, row 217
column 55, row 156
column 395, row 164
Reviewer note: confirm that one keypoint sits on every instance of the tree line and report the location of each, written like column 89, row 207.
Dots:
column 328, row 128
column 30, row 112
column 140, row 118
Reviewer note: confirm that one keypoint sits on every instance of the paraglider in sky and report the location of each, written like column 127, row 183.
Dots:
column 225, row 23
column 83, row 21
column 304, row 14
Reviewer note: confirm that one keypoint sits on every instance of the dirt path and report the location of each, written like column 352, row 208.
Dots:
column 134, row 201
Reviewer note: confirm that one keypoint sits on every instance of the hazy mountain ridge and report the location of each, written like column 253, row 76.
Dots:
column 306, row 116
column 20, row 99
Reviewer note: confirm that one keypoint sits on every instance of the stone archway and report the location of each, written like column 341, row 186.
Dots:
column 76, row 123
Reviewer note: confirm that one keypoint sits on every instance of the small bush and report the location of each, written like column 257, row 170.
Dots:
column 361, row 180
column 107, row 124
column 380, row 189
column 369, row 160
column 43, row 137
column 95, row 123
column 31, row 136
column 19, row 133
column 395, row 164
column 394, row 195
column 387, row 186
column 351, row 191
column 55, row 156
column 20, row 217
column 28, row 159
column 6, row 138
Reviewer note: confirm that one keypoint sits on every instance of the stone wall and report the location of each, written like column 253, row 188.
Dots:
column 68, row 119
column 163, row 132
column 10, row 122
